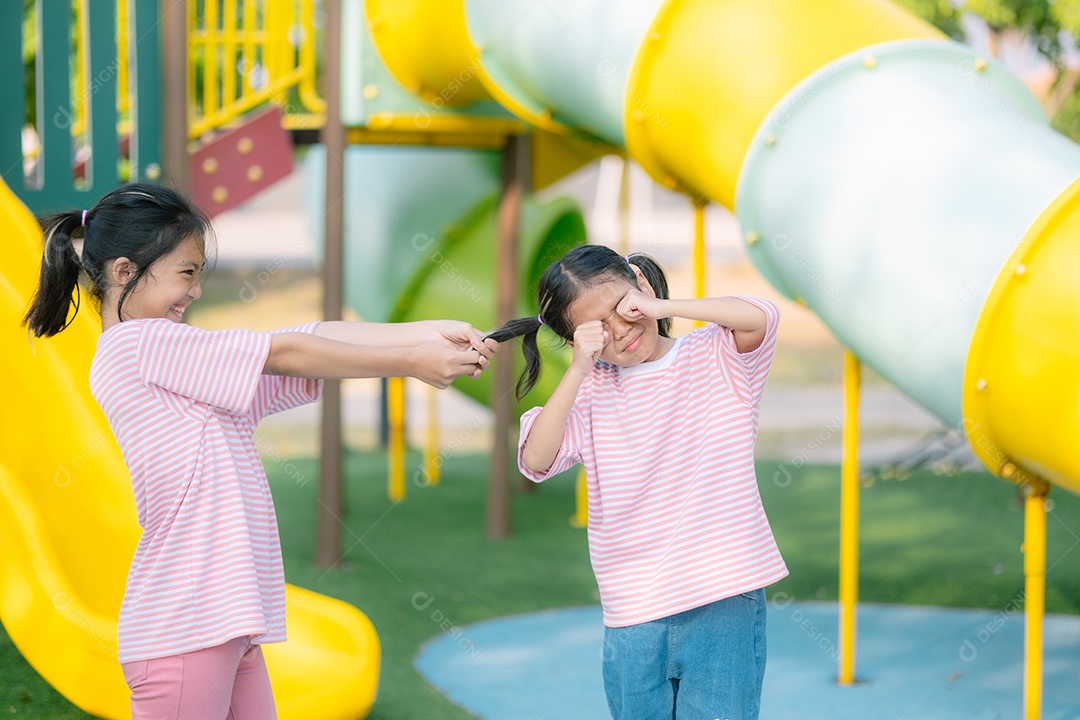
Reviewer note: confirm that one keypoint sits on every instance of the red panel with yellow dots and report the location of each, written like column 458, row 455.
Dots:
column 239, row 163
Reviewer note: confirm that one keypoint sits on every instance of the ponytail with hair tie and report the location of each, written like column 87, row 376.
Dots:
column 59, row 278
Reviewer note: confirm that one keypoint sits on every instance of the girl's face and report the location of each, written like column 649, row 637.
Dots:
column 171, row 284
column 631, row 343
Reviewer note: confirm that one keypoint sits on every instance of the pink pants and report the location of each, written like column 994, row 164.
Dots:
column 226, row 682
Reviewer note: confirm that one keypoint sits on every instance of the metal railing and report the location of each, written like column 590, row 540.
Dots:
column 244, row 53
column 80, row 83
column 123, row 97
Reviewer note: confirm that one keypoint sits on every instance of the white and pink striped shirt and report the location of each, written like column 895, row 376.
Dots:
column 183, row 404
column 675, row 517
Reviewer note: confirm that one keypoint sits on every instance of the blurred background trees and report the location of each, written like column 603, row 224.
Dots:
column 1036, row 39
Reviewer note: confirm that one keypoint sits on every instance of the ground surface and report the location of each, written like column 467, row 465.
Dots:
column 927, row 540
column 914, row 661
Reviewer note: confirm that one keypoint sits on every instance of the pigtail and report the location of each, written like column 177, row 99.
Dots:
column 560, row 284
column 526, row 329
column 48, row 313
column 658, row 280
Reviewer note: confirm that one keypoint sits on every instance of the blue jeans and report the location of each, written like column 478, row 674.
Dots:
column 703, row 664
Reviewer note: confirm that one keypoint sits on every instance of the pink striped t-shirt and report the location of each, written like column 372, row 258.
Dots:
column 183, row 404
column 675, row 517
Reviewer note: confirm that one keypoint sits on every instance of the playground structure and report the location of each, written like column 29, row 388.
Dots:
column 66, row 506
column 854, row 152
column 69, row 518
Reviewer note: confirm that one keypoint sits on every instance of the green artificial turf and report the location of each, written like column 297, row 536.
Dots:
column 926, row 540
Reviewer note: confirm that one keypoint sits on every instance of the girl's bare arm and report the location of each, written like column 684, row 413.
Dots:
column 437, row 363
column 747, row 322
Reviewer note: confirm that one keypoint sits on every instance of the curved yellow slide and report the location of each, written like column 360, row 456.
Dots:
column 68, row 528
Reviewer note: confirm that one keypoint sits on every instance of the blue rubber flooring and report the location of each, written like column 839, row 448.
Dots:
column 913, row 663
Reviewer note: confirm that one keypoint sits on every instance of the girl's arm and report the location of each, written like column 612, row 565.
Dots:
column 542, row 445
column 406, row 334
column 303, row 355
column 747, row 322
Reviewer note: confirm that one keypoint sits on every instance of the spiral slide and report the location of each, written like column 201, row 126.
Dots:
column 907, row 190
column 68, row 528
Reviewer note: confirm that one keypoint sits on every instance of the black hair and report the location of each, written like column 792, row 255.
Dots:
column 138, row 221
column 583, row 267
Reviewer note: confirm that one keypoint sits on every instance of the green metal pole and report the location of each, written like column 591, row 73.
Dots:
column 100, row 98
column 146, row 142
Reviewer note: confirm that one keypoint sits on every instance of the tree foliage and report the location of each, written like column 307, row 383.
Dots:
column 1052, row 26
column 940, row 13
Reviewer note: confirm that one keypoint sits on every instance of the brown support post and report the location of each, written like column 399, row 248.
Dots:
column 174, row 127
column 515, row 185
column 328, row 547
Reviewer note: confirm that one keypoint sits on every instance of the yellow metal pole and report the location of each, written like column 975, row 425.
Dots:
column 272, row 31
column 624, row 208
column 580, row 518
column 431, row 447
column 283, row 54
column 395, row 400
column 123, row 98
column 849, row 521
column 249, row 43
column 1034, row 595
column 309, row 96
column 191, row 58
column 211, row 60
column 230, row 29
column 78, row 125
column 699, row 251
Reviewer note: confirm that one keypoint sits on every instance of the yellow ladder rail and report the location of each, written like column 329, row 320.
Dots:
column 252, row 52
column 309, row 95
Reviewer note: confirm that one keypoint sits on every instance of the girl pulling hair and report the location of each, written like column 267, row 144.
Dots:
column 665, row 428
column 206, row 586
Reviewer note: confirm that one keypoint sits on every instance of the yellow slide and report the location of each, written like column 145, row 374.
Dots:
column 68, row 527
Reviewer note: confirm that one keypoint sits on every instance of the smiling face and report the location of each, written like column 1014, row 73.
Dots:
column 631, row 343
column 169, row 286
